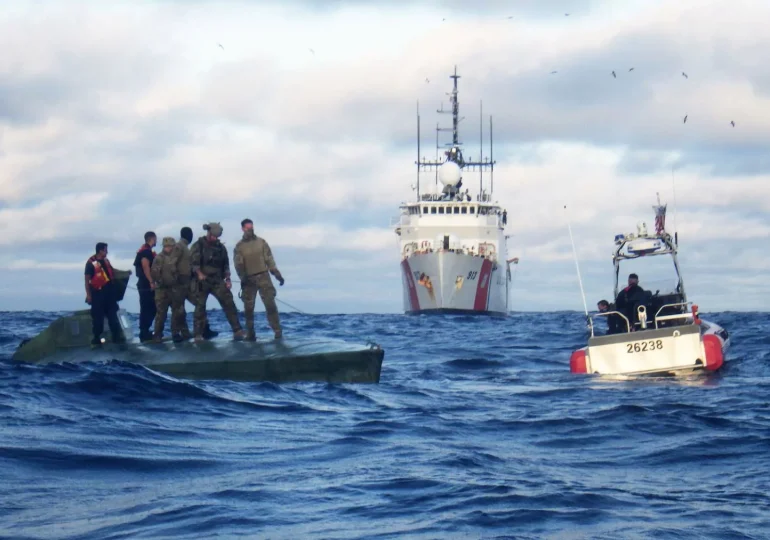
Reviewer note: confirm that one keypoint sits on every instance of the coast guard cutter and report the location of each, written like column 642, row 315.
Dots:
column 453, row 242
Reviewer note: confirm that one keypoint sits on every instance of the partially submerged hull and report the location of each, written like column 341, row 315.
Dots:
column 67, row 339
column 674, row 350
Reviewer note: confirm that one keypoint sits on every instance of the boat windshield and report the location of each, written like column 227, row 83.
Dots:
column 657, row 274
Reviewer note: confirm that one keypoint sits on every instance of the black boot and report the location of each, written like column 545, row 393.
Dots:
column 208, row 333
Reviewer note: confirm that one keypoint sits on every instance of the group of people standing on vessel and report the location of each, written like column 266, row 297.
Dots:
column 183, row 272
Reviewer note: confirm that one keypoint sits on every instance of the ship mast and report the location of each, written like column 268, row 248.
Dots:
column 454, row 153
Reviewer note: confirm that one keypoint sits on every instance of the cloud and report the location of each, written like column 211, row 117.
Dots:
column 50, row 219
column 118, row 118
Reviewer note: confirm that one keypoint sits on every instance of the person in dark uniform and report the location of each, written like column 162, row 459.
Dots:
column 102, row 296
column 615, row 324
column 145, row 285
column 629, row 298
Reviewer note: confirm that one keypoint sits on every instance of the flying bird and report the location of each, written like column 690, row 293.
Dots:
column 510, row 17
column 685, row 75
column 685, row 119
column 631, row 69
column 220, row 46
column 554, row 72
column 312, row 51
column 427, row 80
column 732, row 122
column 613, row 74
column 566, row 14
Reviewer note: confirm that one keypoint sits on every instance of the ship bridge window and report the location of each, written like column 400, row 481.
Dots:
column 432, row 209
column 464, row 210
column 424, row 209
column 440, row 209
column 473, row 209
column 456, row 210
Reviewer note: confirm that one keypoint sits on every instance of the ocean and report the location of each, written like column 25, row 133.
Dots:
column 476, row 430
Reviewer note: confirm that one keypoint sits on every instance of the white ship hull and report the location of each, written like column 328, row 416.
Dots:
column 444, row 281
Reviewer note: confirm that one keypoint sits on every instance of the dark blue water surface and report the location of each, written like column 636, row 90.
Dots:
column 476, row 430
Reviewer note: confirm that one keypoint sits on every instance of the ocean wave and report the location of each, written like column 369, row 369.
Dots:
column 491, row 437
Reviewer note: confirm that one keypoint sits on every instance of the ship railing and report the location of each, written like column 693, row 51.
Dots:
column 683, row 316
column 461, row 251
column 400, row 220
column 607, row 314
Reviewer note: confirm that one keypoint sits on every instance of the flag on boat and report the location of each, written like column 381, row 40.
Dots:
column 660, row 218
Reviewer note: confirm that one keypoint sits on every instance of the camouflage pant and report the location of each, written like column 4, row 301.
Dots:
column 264, row 285
column 163, row 300
column 217, row 287
column 182, row 292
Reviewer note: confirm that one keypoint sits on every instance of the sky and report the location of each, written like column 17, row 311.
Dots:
column 122, row 117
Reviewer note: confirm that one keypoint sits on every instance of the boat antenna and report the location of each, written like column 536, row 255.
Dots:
column 673, row 187
column 491, row 160
column 418, row 151
column 454, row 153
column 577, row 266
column 481, row 144
column 437, row 149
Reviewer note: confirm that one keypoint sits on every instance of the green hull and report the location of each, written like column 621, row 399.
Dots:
column 67, row 339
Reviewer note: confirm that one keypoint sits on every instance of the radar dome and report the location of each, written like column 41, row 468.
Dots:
column 450, row 173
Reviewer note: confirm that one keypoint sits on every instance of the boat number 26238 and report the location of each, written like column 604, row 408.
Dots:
column 642, row 346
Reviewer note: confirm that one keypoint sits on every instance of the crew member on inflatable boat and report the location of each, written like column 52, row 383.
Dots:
column 102, row 296
column 615, row 324
column 629, row 298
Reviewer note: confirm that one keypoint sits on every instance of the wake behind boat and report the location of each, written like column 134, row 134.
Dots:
column 453, row 245
column 651, row 334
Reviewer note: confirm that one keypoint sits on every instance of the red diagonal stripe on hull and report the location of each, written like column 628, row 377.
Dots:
column 414, row 300
column 482, row 288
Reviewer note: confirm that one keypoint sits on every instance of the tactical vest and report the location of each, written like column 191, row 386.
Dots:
column 212, row 258
column 164, row 270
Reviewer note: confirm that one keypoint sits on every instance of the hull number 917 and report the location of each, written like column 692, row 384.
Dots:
column 643, row 346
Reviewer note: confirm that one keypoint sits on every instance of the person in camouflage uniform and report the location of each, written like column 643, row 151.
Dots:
column 186, row 289
column 253, row 260
column 163, row 273
column 211, row 265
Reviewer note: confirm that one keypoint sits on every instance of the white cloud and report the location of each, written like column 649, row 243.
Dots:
column 119, row 118
column 46, row 220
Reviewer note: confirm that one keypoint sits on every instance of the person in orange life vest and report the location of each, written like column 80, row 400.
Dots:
column 101, row 295
column 145, row 285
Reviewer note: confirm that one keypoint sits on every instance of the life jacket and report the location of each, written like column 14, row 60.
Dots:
column 138, row 262
column 103, row 273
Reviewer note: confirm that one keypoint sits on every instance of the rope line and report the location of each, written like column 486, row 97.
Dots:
column 369, row 342
column 233, row 281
